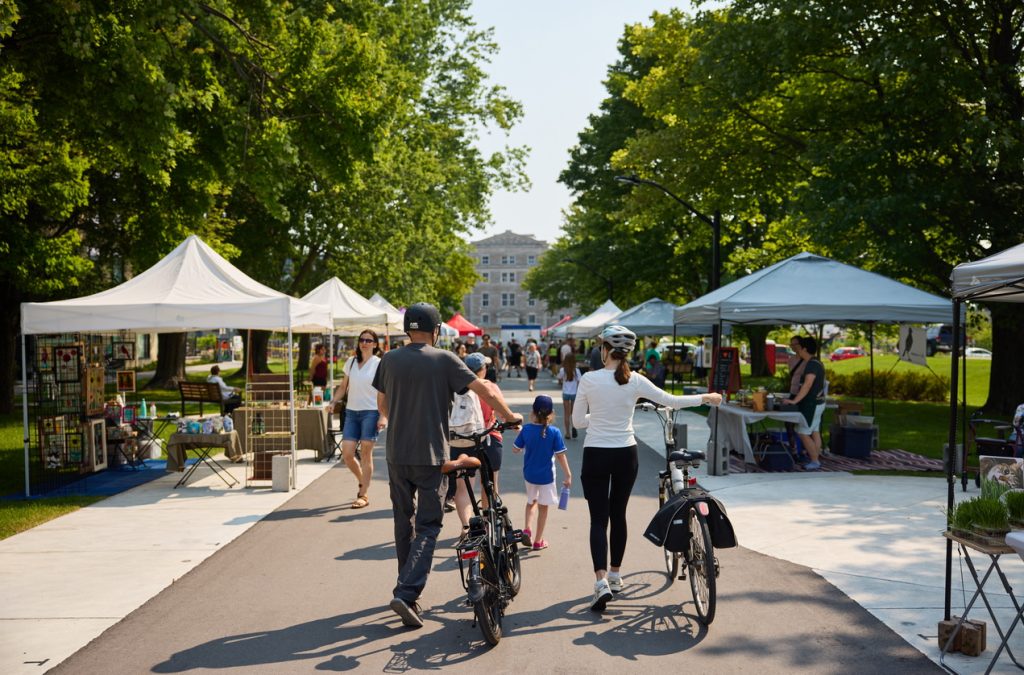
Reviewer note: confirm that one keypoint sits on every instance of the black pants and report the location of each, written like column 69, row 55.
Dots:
column 608, row 475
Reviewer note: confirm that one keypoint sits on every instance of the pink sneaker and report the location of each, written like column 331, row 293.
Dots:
column 540, row 545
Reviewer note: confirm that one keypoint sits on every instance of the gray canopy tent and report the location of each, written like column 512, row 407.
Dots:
column 997, row 278
column 808, row 288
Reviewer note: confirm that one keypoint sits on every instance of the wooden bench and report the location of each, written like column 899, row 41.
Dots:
column 269, row 387
column 201, row 392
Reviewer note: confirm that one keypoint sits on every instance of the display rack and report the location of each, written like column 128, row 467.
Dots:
column 270, row 424
column 66, row 433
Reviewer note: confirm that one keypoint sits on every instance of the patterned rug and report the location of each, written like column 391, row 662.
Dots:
column 881, row 460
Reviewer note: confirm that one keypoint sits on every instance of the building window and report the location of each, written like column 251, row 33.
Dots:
column 508, row 260
column 531, row 260
column 508, row 277
column 532, row 303
column 485, row 319
column 486, row 276
column 532, row 318
column 485, row 299
column 485, row 260
column 508, row 299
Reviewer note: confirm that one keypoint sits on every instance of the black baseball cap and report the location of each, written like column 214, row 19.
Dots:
column 422, row 316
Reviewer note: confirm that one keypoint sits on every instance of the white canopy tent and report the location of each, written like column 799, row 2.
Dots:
column 399, row 326
column 589, row 325
column 192, row 288
column 351, row 311
column 997, row 278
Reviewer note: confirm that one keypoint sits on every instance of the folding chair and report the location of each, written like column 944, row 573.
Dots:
column 332, row 438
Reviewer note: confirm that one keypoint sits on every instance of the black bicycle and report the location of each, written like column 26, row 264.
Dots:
column 489, row 554
column 674, row 482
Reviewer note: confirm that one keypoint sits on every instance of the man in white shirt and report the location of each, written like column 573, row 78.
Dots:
column 232, row 399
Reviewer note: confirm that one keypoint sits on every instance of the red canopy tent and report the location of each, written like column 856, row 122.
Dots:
column 565, row 319
column 462, row 324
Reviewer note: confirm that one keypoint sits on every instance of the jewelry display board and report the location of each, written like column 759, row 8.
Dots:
column 270, row 424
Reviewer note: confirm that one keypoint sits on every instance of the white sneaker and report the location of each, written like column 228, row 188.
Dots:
column 602, row 594
column 614, row 582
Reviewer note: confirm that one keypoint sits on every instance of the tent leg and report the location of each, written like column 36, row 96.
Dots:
column 951, row 452
column 871, row 351
column 678, row 367
column 291, row 405
column 24, row 412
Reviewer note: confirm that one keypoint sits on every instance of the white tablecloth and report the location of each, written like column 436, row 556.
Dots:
column 732, row 426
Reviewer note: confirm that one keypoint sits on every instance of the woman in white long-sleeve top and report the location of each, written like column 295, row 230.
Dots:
column 604, row 407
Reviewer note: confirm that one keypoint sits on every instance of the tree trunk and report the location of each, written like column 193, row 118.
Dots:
column 758, row 363
column 10, row 353
column 170, row 366
column 303, row 362
column 1004, row 387
column 257, row 343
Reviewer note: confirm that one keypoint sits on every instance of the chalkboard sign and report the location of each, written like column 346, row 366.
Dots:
column 725, row 373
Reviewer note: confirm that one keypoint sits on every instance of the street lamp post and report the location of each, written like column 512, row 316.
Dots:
column 715, row 222
column 607, row 280
column 716, row 235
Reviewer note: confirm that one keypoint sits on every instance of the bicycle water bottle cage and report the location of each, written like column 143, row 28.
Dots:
column 687, row 456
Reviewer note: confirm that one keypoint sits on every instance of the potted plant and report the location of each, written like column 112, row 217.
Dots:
column 990, row 520
column 1014, row 500
column 960, row 519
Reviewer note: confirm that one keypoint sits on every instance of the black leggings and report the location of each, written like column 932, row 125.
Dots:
column 608, row 475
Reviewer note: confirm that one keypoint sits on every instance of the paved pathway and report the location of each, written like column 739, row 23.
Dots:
column 307, row 586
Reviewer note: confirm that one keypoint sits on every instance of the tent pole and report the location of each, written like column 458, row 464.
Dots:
column 678, row 367
column 871, row 351
column 951, row 452
column 291, row 405
column 24, row 409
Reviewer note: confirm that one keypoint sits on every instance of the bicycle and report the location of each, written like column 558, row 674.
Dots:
column 675, row 482
column 489, row 554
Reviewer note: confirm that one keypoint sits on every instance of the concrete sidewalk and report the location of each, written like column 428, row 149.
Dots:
column 877, row 539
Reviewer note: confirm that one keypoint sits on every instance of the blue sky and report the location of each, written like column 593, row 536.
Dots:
column 554, row 57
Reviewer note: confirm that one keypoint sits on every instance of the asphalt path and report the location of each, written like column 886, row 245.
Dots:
column 307, row 589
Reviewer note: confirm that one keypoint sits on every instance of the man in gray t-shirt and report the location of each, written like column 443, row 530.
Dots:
column 415, row 386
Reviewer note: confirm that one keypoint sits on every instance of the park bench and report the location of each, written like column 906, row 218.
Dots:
column 201, row 392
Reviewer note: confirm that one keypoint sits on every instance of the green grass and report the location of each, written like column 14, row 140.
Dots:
column 18, row 516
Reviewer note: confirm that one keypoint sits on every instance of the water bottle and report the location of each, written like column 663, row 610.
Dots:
column 257, row 424
column 152, row 410
column 563, row 499
column 678, row 484
column 142, row 409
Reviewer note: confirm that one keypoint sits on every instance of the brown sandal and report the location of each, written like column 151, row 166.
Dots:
column 360, row 502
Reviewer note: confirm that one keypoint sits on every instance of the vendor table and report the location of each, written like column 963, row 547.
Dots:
column 147, row 430
column 732, row 426
column 994, row 553
column 310, row 424
column 203, row 444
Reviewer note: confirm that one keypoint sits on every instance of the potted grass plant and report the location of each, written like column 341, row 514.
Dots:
column 990, row 520
column 1014, row 501
column 960, row 519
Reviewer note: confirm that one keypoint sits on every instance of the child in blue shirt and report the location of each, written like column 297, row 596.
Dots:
column 543, row 444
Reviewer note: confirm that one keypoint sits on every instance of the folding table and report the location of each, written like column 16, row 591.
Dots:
column 994, row 553
column 203, row 444
column 147, row 430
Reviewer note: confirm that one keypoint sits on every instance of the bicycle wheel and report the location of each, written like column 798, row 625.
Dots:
column 488, row 609
column 671, row 558
column 702, row 568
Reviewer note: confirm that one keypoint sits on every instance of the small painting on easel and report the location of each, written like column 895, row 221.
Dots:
column 124, row 351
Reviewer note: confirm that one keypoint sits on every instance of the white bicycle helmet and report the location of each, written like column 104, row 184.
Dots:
column 619, row 337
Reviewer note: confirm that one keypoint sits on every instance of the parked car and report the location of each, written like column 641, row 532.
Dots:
column 783, row 354
column 843, row 353
column 977, row 353
column 940, row 339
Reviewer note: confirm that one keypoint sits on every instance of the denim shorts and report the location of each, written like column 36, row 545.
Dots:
column 360, row 425
column 568, row 397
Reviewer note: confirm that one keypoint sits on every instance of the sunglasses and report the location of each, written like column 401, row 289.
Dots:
column 368, row 341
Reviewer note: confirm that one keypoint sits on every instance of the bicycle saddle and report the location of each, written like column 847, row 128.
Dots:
column 687, row 456
column 461, row 462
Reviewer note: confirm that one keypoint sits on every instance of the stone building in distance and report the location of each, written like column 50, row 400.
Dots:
column 499, row 299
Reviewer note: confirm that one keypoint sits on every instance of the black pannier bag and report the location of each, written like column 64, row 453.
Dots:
column 670, row 526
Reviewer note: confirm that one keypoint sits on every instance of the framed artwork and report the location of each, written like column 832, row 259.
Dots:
column 53, row 451
column 44, row 358
column 74, row 445
column 124, row 351
column 97, row 444
column 68, row 362
column 94, row 390
column 126, row 380
column 128, row 414
column 48, row 425
column 112, row 411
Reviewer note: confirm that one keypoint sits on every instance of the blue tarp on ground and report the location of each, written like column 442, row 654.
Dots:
column 108, row 482
column 808, row 288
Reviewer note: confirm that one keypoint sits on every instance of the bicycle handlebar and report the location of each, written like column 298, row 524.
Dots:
column 497, row 426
